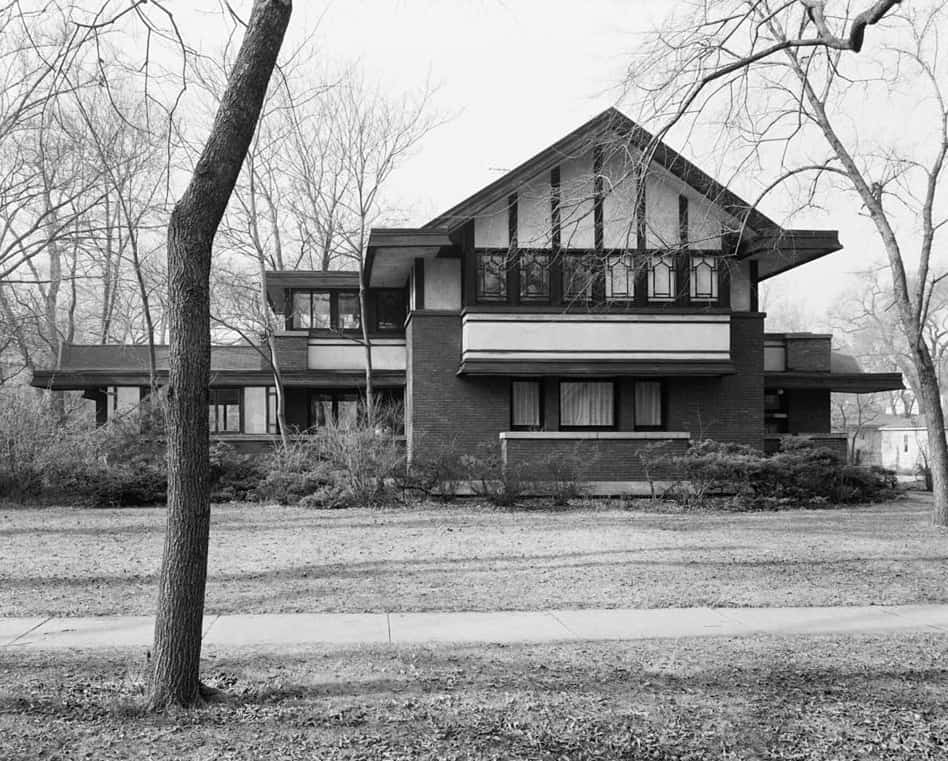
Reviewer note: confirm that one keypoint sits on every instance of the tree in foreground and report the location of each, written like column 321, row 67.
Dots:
column 805, row 91
column 194, row 223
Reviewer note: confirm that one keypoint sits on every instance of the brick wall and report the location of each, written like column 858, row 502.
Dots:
column 448, row 410
column 808, row 411
column 292, row 351
column 730, row 407
column 602, row 459
column 838, row 444
column 808, row 354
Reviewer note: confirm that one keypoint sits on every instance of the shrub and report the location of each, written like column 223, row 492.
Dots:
column 433, row 472
column 502, row 485
column 339, row 467
column 234, row 477
column 561, row 475
column 799, row 474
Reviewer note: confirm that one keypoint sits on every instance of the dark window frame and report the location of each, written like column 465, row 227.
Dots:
column 498, row 297
column 333, row 294
column 596, row 283
column 397, row 294
column 615, row 405
column 715, row 295
column 541, row 388
column 218, row 406
column 662, row 405
column 521, row 255
column 334, row 396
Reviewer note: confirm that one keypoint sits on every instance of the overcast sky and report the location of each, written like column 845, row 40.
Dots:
column 514, row 76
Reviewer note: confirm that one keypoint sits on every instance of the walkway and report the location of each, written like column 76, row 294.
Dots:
column 295, row 630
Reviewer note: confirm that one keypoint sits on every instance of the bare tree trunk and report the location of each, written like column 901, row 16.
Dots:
column 935, row 425
column 194, row 222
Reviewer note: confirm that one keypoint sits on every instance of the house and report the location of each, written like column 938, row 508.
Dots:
column 895, row 442
column 569, row 304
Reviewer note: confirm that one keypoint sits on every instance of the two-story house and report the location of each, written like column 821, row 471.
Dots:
column 578, row 301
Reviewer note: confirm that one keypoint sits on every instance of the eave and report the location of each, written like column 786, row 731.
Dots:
column 399, row 248
column 93, row 379
column 595, row 368
column 777, row 252
column 847, row 383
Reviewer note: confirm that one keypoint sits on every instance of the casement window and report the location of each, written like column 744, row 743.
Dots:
column 588, row 404
column 312, row 310
column 348, row 313
column 648, row 406
column 224, row 410
column 491, row 275
column 334, row 408
column 325, row 310
column 704, row 278
column 662, row 278
column 620, row 277
column 389, row 311
column 535, row 276
column 579, row 277
column 526, row 405
column 273, row 419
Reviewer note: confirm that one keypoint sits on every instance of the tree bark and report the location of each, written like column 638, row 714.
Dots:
column 194, row 222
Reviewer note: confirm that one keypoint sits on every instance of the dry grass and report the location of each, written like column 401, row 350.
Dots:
column 770, row 698
column 276, row 559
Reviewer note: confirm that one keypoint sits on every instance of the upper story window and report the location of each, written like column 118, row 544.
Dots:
column 662, row 278
column 579, row 277
column 620, row 277
column 389, row 310
column 325, row 310
column 535, row 275
column 704, row 278
column 492, row 276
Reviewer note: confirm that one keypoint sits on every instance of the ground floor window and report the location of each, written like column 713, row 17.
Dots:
column 346, row 408
column 526, row 407
column 587, row 404
column 775, row 411
column 224, row 410
column 273, row 419
column 648, row 406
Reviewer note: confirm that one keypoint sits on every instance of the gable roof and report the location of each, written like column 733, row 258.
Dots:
column 607, row 124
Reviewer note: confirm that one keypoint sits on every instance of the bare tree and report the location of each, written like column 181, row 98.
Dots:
column 780, row 77
column 194, row 223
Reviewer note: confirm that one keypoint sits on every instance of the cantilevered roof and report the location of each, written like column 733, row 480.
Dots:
column 774, row 248
column 89, row 366
column 845, row 376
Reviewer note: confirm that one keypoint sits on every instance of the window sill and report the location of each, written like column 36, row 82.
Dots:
column 655, row 435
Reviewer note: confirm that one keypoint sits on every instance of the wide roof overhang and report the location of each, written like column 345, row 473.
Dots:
column 392, row 252
column 595, row 368
column 82, row 380
column 845, row 383
column 777, row 251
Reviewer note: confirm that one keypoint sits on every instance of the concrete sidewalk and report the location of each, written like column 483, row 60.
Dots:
column 288, row 631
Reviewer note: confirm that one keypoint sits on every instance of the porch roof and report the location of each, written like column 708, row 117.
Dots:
column 847, row 383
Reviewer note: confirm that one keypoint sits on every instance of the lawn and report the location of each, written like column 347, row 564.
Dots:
column 818, row 698
column 62, row 561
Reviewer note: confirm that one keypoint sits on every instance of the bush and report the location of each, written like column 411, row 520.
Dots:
column 502, row 485
column 433, row 472
column 339, row 467
column 561, row 475
column 799, row 474
column 234, row 477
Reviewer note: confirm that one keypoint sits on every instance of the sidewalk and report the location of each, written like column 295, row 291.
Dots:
column 294, row 630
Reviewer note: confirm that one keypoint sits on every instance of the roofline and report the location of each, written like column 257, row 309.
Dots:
column 665, row 156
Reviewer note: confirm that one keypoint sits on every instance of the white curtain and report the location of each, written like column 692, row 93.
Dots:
column 648, row 403
column 526, row 403
column 586, row 404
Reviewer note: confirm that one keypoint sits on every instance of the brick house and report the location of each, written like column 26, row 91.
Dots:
column 565, row 305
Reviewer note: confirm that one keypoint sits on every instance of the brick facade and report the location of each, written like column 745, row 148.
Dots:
column 292, row 351
column 601, row 459
column 445, row 410
column 730, row 407
column 808, row 353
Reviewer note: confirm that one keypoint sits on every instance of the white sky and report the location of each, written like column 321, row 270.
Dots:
column 514, row 76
